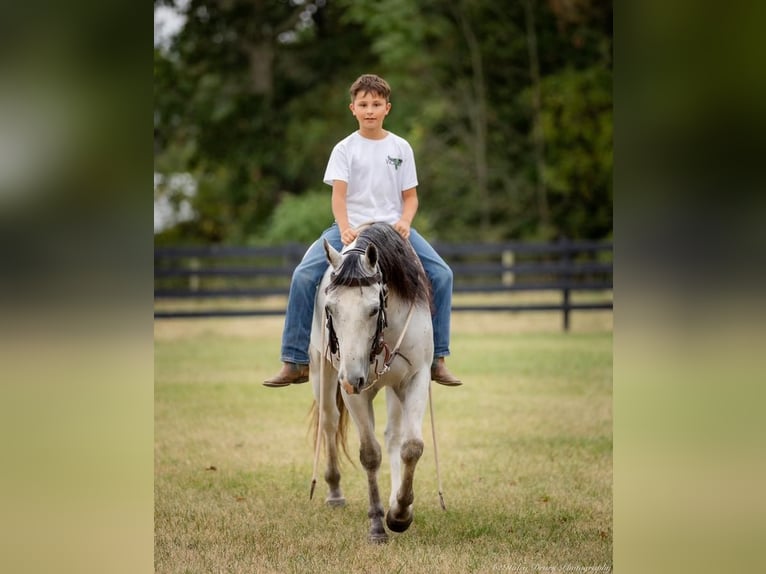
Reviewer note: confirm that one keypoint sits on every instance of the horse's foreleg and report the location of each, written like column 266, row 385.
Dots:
column 399, row 516
column 393, row 435
column 370, row 457
column 329, row 421
column 332, row 472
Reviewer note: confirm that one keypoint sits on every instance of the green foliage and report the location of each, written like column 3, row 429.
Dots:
column 251, row 97
column 301, row 219
column 577, row 123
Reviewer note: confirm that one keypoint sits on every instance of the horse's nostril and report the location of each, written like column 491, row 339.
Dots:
column 360, row 383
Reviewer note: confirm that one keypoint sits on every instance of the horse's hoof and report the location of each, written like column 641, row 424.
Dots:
column 339, row 502
column 378, row 538
column 397, row 525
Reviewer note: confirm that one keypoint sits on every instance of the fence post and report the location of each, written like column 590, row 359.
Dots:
column 507, row 262
column 194, row 264
column 566, row 303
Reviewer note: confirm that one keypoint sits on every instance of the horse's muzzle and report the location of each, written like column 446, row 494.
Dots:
column 353, row 389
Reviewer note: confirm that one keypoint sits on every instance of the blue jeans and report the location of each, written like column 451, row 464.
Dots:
column 307, row 275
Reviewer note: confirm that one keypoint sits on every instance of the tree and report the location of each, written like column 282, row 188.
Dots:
column 507, row 106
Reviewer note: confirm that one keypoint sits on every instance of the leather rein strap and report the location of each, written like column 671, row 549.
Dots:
column 390, row 356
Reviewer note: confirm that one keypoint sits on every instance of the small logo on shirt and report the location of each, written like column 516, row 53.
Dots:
column 394, row 161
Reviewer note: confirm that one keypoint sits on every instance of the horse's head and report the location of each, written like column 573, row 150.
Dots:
column 355, row 311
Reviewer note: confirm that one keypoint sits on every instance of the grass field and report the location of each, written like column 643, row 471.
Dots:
column 525, row 451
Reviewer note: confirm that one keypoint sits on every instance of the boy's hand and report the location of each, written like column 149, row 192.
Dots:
column 402, row 228
column 348, row 235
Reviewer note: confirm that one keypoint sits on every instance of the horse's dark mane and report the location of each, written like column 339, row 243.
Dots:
column 398, row 262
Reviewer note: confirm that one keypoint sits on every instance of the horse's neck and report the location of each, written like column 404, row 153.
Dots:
column 321, row 290
column 396, row 312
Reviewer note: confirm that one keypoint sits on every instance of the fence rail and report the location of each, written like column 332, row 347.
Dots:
column 216, row 273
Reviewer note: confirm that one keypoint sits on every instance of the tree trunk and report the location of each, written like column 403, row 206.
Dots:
column 477, row 109
column 261, row 55
column 538, row 137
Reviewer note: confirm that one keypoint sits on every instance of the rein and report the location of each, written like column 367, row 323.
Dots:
column 390, row 356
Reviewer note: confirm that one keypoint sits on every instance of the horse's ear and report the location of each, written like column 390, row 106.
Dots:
column 371, row 256
column 333, row 257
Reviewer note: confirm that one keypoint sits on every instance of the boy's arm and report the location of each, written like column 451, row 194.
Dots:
column 347, row 233
column 409, row 209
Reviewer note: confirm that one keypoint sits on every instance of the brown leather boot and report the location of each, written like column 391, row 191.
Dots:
column 290, row 374
column 441, row 374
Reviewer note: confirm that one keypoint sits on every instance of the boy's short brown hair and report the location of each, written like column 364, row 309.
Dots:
column 370, row 83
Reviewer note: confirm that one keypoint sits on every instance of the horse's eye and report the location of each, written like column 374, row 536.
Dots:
column 374, row 311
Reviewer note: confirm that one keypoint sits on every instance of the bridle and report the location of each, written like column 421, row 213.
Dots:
column 379, row 345
column 378, row 342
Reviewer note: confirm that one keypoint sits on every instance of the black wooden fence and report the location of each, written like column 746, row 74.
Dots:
column 184, row 275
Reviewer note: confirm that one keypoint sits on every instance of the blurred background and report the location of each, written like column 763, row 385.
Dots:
column 508, row 107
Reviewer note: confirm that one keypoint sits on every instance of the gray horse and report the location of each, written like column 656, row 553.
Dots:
column 372, row 330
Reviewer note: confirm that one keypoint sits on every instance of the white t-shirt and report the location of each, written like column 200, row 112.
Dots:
column 377, row 172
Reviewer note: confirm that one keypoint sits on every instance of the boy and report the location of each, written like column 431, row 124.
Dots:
column 373, row 178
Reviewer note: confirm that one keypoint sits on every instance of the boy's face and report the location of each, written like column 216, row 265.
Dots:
column 370, row 110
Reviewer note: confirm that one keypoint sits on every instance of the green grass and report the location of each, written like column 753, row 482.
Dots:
column 525, row 448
